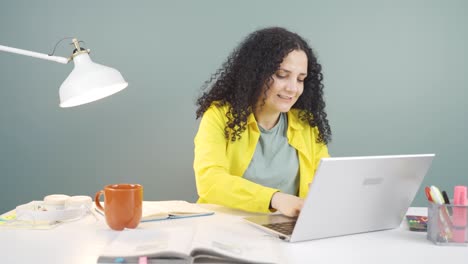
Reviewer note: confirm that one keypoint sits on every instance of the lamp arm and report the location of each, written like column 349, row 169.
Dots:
column 38, row 55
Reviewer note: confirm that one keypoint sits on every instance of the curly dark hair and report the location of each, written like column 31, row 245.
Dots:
column 239, row 81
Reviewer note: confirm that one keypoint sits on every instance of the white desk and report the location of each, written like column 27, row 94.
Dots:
column 80, row 242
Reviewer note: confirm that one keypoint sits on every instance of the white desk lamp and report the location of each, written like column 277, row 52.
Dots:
column 87, row 82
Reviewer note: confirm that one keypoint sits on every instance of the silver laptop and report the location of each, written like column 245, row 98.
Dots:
column 351, row 195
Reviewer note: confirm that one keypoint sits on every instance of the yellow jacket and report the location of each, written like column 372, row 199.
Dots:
column 220, row 163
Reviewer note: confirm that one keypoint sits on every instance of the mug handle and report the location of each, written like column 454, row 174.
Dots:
column 96, row 200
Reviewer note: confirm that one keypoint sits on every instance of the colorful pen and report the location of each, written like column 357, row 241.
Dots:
column 446, row 199
column 447, row 202
column 436, row 195
column 443, row 214
column 460, row 202
column 427, row 190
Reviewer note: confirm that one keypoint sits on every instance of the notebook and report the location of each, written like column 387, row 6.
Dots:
column 351, row 195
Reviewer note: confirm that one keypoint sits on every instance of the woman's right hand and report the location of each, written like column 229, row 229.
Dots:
column 287, row 204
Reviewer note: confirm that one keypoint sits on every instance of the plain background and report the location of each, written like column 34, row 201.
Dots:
column 396, row 81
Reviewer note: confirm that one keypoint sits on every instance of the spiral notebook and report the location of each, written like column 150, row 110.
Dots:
column 173, row 209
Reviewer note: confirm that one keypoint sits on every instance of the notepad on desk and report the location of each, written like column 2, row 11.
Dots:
column 174, row 209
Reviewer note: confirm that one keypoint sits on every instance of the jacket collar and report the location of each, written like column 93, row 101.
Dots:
column 294, row 121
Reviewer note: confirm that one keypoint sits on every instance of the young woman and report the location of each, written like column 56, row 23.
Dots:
column 264, row 127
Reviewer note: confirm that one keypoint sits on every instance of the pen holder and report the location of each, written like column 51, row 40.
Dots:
column 447, row 224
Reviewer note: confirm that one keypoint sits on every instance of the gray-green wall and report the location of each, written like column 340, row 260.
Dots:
column 396, row 78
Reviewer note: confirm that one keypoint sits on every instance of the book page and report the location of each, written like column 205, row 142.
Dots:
column 226, row 242
column 160, row 210
column 163, row 243
column 153, row 211
column 176, row 208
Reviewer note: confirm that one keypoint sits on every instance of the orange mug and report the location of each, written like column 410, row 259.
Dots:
column 123, row 205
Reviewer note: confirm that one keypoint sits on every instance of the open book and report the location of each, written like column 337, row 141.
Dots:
column 161, row 210
column 193, row 242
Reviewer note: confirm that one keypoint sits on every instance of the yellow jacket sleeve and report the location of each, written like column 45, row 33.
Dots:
column 219, row 165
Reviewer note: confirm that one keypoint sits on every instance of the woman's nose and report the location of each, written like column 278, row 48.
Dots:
column 292, row 86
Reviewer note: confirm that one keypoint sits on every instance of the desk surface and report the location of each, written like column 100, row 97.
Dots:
column 82, row 241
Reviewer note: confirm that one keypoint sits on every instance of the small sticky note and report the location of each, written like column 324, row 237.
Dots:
column 417, row 223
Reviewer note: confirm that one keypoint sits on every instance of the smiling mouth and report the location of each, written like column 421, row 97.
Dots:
column 284, row 97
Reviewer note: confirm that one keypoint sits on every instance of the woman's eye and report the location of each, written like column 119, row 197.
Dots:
column 281, row 76
column 299, row 80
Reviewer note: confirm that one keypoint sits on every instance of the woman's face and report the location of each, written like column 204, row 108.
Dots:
column 287, row 84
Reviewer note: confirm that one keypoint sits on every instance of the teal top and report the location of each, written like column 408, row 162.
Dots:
column 275, row 163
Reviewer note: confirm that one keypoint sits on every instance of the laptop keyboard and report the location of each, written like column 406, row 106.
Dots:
column 285, row 228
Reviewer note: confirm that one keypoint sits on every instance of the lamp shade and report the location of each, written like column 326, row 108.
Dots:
column 89, row 82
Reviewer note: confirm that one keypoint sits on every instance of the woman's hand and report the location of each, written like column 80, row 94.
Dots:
column 287, row 204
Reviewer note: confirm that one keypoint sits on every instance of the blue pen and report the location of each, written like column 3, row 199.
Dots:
column 141, row 260
column 119, row 260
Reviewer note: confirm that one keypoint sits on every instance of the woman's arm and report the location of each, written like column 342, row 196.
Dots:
column 213, row 169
